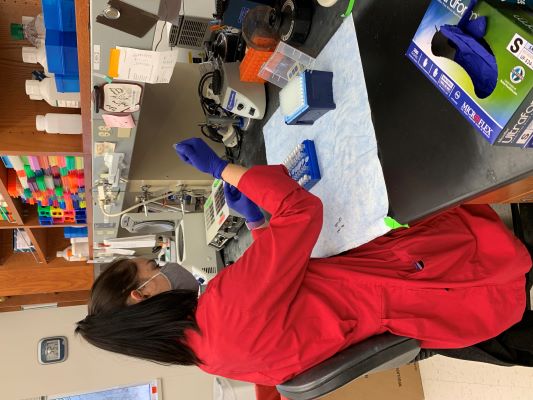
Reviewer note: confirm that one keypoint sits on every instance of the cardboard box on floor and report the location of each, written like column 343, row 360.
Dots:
column 402, row 383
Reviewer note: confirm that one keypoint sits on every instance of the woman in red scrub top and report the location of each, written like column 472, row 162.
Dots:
column 450, row 281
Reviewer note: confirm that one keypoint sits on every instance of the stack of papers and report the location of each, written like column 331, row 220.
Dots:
column 142, row 65
column 21, row 241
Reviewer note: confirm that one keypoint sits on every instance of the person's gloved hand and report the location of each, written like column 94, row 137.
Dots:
column 198, row 154
column 242, row 204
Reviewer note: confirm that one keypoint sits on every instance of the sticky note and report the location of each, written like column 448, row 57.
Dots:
column 114, row 60
column 123, row 133
column 115, row 121
column 79, row 163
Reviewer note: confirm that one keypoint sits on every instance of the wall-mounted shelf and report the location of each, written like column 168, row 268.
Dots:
column 14, row 206
column 83, row 32
column 20, row 274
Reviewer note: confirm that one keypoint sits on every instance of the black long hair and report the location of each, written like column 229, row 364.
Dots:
column 153, row 329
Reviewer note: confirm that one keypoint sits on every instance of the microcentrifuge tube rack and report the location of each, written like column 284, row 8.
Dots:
column 302, row 164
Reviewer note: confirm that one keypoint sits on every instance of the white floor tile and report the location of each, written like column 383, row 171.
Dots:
column 449, row 379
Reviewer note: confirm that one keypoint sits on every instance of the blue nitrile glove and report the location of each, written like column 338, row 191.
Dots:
column 472, row 52
column 242, row 204
column 198, row 154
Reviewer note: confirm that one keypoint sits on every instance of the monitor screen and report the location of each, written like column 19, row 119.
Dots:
column 144, row 391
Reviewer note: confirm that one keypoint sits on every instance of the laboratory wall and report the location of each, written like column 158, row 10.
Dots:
column 170, row 113
column 86, row 368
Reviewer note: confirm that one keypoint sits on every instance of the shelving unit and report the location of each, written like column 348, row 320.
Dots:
column 23, row 280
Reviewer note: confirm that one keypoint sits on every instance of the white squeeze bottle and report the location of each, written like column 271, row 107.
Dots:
column 80, row 247
column 68, row 255
column 69, row 124
column 46, row 90
column 36, row 55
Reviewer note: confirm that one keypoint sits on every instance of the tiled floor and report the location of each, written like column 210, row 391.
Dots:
column 449, row 379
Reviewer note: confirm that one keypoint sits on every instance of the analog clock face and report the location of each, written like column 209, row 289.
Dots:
column 52, row 350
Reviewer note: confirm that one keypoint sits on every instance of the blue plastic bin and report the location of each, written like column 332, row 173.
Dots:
column 67, row 83
column 59, row 15
column 46, row 221
column 6, row 161
column 72, row 232
column 81, row 216
column 62, row 52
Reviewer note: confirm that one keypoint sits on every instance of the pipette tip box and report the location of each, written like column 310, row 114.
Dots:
column 307, row 97
column 302, row 164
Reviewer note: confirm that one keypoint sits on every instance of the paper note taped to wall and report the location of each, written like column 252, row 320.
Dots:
column 118, row 121
column 101, row 148
column 142, row 65
column 122, row 97
column 123, row 133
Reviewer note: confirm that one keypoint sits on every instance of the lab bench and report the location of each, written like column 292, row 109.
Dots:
column 432, row 158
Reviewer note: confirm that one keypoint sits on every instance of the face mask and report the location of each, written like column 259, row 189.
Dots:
column 179, row 277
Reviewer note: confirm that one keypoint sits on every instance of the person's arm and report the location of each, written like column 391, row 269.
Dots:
column 271, row 271
column 232, row 174
column 255, row 220
column 256, row 232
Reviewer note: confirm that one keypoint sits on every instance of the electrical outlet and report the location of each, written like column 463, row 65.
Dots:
column 101, row 193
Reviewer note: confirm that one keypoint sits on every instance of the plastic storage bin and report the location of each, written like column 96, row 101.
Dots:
column 72, row 232
column 81, row 216
column 64, row 83
column 70, row 216
column 285, row 64
column 67, row 83
column 59, row 15
column 62, row 52
column 252, row 63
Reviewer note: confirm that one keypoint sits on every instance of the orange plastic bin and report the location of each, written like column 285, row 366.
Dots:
column 252, row 63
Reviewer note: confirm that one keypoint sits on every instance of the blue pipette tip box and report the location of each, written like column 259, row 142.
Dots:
column 302, row 164
column 308, row 98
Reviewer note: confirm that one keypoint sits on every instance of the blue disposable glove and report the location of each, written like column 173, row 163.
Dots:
column 198, row 154
column 242, row 204
column 471, row 51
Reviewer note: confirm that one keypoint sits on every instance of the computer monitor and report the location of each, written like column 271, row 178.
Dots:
column 143, row 391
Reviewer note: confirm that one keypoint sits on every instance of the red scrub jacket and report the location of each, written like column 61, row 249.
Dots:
column 450, row 281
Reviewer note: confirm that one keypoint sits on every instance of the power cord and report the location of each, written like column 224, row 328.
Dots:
column 163, row 26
